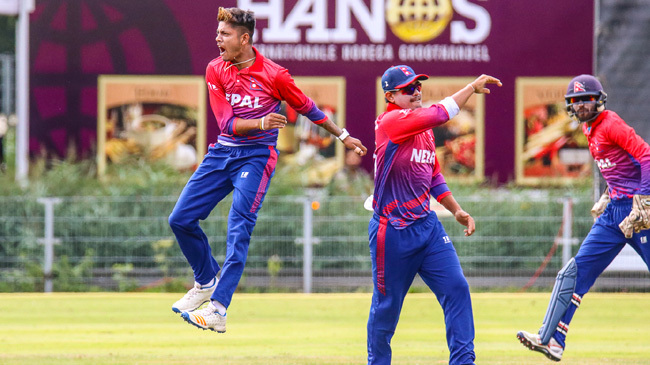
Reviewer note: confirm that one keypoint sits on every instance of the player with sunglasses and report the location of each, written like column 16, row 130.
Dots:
column 622, row 214
column 406, row 237
column 410, row 89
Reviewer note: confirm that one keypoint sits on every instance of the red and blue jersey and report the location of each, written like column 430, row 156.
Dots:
column 250, row 93
column 407, row 172
column 621, row 155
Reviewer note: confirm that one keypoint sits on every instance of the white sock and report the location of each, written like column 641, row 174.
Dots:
column 210, row 284
column 220, row 308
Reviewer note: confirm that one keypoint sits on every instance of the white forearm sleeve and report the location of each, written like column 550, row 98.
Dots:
column 450, row 104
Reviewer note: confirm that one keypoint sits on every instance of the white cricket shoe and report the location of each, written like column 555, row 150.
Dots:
column 552, row 350
column 206, row 318
column 194, row 298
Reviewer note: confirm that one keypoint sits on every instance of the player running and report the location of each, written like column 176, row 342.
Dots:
column 406, row 237
column 245, row 90
column 624, row 161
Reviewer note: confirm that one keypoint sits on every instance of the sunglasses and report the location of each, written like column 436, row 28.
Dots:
column 410, row 89
column 582, row 99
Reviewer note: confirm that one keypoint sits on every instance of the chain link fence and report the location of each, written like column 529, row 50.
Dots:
column 125, row 244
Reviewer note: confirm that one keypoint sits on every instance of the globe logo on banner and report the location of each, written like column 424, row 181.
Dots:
column 360, row 30
column 418, row 21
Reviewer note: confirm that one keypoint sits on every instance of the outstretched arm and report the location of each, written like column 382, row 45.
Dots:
column 350, row 142
column 288, row 91
column 279, row 121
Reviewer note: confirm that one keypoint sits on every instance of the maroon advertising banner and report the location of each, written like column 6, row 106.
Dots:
column 74, row 42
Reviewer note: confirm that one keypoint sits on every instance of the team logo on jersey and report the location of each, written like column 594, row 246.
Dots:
column 604, row 164
column 238, row 100
column 244, row 174
column 423, row 156
column 596, row 147
column 255, row 85
column 578, row 87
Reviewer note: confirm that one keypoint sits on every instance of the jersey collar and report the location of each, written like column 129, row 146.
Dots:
column 257, row 65
column 392, row 106
column 259, row 61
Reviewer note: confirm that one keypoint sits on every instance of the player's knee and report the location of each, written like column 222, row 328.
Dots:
column 246, row 215
column 461, row 285
column 569, row 270
column 244, row 212
column 179, row 222
column 174, row 221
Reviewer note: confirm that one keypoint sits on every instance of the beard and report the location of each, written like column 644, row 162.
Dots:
column 586, row 115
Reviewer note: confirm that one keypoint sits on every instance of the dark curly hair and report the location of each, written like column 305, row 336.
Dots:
column 238, row 18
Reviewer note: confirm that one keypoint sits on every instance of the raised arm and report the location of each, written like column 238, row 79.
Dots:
column 477, row 86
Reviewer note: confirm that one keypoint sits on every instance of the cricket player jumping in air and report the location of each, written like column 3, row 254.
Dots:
column 406, row 237
column 623, row 212
column 245, row 90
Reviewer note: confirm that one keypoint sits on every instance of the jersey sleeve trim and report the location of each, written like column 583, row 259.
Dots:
column 233, row 123
column 316, row 115
column 443, row 195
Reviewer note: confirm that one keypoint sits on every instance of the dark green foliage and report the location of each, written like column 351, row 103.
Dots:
column 8, row 34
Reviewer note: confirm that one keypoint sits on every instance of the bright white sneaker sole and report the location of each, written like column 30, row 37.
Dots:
column 535, row 347
column 200, row 322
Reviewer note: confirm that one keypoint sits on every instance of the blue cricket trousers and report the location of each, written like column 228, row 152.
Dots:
column 397, row 255
column 247, row 172
column 604, row 241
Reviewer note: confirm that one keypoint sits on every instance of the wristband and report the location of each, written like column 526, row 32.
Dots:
column 472, row 86
column 262, row 122
column 344, row 135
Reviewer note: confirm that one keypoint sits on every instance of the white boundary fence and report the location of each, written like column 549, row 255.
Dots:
column 124, row 243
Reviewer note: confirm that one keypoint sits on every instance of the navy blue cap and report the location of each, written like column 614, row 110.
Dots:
column 583, row 85
column 397, row 77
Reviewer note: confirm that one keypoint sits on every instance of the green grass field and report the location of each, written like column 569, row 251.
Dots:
column 112, row 328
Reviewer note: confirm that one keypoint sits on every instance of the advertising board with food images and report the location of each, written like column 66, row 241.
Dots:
column 550, row 146
column 151, row 118
column 74, row 42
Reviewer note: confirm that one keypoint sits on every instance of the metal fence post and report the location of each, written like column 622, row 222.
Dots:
column 567, row 230
column 307, row 241
column 48, row 240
